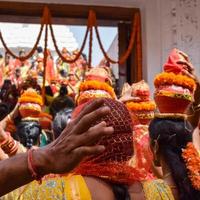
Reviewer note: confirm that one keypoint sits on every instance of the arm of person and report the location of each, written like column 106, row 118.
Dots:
column 194, row 109
column 3, row 122
column 11, row 116
column 157, row 171
column 8, row 146
column 14, row 173
column 196, row 138
column 76, row 141
column 3, row 156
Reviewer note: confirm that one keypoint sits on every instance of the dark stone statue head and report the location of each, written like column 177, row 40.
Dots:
column 28, row 133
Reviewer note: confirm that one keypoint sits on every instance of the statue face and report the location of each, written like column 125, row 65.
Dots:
column 29, row 132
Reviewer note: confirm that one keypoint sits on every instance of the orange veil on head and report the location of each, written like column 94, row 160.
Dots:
column 112, row 164
column 174, row 88
column 177, row 62
column 137, row 100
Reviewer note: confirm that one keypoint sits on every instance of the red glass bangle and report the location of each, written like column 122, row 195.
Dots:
column 9, row 145
column 14, row 149
column 32, row 167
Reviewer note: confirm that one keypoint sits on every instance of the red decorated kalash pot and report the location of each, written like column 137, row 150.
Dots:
column 97, row 84
column 30, row 104
column 137, row 99
column 174, row 89
column 113, row 163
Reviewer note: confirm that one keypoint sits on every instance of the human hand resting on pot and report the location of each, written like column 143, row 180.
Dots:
column 76, row 141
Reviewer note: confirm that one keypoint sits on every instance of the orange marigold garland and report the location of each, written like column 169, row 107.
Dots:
column 192, row 160
column 64, row 59
column 88, row 95
column 30, row 103
column 27, row 99
column 31, row 96
column 139, row 106
column 92, row 22
column 134, row 32
column 89, row 85
column 30, row 54
column 171, row 78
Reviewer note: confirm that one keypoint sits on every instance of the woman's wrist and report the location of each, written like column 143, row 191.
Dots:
column 195, row 107
column 41, row 161
column 3, row 135
column 9, row 145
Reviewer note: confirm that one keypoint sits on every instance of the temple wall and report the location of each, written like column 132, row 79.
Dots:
column 168, row 24
column 180, row 27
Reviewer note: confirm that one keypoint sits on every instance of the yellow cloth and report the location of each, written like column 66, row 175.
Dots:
column 157, row 190
column 74, row 188
column 12, row 195
column 61, row 188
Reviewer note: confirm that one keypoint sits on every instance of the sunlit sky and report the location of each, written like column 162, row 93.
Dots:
column 107, row 35
column 24, row 35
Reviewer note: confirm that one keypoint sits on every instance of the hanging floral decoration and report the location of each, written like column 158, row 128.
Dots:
column 46, row 22
column 171, row 78
column 91, row 85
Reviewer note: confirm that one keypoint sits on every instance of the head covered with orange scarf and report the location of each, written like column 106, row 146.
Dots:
column 113, row 163
column 137, row 100
column 174, row 88
column 170, row 132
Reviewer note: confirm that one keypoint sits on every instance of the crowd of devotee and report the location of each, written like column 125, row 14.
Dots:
column 82, row 141
column 19, row 71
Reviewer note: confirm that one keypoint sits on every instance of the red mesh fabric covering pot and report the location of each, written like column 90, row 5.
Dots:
column 119, row 116
column 167, row 104
column 113, row 163
column 120, row 119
